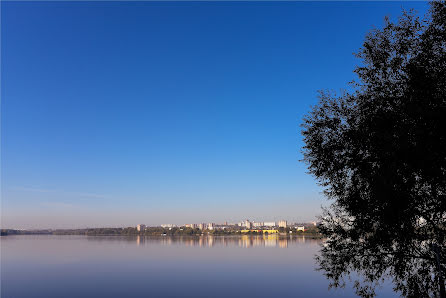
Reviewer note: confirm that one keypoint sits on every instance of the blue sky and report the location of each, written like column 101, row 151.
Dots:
column 118, row 113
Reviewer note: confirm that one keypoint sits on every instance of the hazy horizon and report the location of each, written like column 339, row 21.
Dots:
column 115, row 114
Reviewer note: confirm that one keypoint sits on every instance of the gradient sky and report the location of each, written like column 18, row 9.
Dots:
column 119, row 113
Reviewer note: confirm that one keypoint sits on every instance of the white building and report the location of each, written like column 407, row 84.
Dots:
column 269, row 224
column 257, row 224
column 248, row 224
column 168, row 226
column 140, row 228
column 302, row 228
column 283, row 224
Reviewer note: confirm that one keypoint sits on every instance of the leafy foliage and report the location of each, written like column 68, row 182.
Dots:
column 380, row 153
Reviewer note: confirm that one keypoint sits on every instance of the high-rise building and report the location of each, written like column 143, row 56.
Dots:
column 211, row 226
column 282, row 224
column 248, row 224
column 202, row 226
column 140, row 228
column 257, row 224
column 269, row 224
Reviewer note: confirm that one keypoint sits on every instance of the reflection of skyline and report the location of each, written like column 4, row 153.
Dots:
column 244, row 241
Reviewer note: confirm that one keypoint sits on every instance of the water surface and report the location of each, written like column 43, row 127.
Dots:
column 114, row 266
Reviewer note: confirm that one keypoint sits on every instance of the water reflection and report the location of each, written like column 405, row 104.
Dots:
column 245, row 241
column 131, row 266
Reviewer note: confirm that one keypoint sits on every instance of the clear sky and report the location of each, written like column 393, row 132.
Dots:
column 119, row 113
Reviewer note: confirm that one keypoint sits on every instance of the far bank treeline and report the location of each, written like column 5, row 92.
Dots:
column 157, row 231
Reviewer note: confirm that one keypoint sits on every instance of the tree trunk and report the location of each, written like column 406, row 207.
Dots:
column 436, row 249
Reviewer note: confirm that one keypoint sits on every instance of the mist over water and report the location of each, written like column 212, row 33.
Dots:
column 115, row 266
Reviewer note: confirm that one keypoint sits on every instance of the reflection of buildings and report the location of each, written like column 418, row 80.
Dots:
column 246, row 241
column 201, row 241
column 169, row 241
column 270, row 240
column 210, row 241
column 257, row 241
column 265, row 240
column 205, row 241
column 283, row 243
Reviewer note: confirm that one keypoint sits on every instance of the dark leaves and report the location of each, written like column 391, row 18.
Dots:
column 380, row 153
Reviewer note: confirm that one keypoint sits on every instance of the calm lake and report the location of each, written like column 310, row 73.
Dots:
column 115, row 266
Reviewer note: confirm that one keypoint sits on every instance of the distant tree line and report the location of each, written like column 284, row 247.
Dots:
column 5, row 232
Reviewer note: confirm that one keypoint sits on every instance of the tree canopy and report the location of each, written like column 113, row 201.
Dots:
column 379, row 151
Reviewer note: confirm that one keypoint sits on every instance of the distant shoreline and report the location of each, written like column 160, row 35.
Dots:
column 276, row 236
column 161, row 232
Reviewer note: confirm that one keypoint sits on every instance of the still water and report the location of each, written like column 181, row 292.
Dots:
column 115, row 266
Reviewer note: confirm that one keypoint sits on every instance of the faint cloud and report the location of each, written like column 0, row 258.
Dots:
column 57, row 205
column 91, row 195
column 31, row 189
column 76, row 194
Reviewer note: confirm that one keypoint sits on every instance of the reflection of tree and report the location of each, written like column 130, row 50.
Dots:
column 380, row 151
column 409, row 263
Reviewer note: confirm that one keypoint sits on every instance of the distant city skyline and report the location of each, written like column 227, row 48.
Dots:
column 121, row 113
column 254, row 222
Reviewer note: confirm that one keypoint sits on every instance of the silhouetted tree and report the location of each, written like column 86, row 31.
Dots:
column 379, row 151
